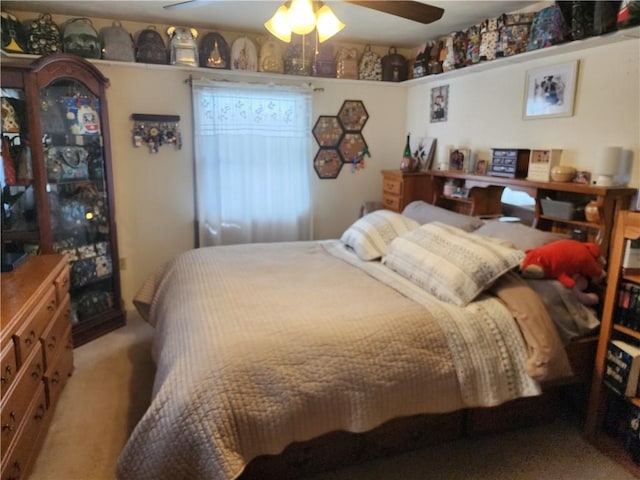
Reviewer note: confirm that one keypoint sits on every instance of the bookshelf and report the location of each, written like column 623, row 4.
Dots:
column 627, row 227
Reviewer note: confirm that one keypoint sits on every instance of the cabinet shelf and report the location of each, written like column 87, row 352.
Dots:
column 627, row 331
column 577, row 223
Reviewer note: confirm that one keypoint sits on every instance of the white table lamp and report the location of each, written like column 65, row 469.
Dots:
column 608, row 166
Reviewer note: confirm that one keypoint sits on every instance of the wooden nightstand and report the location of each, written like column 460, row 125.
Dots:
column 400, row 189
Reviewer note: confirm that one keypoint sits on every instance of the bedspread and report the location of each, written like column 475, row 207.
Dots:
column 261, row 345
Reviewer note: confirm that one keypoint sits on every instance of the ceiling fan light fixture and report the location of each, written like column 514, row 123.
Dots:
column 279, row 25
column 302, row 18
column 327, row 23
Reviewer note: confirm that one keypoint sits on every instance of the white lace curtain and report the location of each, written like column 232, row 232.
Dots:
column 252, row 151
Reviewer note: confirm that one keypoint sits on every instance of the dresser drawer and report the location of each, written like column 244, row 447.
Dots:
column 392, row 185
column 14, row 406
column 8, row 367
column 59, row 371
column 53, row 338
column 391, row 202
column 61, row 284
column 17, row 464
column 28, row 335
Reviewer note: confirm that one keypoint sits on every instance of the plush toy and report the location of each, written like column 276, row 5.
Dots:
column 579, row 290
column 564, row 260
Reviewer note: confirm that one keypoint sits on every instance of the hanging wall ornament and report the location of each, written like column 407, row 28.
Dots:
column 153, row 131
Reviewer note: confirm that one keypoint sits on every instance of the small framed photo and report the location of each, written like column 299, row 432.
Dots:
column 459, row 159
column 439, row 103
column 481, row 167
column 550, row 91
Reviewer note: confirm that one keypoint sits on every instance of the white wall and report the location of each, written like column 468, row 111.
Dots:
column 154, row 192
column 485, row 107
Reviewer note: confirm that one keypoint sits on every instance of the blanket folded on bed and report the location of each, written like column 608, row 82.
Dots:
column 258, row 346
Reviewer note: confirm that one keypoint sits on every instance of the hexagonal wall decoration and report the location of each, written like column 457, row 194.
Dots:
column 328, row 131
column 327, row 163
column 351, row 145
column 353, row 115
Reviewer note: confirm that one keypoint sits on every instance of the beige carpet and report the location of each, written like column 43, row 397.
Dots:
column 111, row 387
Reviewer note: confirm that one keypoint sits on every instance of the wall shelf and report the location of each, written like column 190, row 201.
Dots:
column 628, row 34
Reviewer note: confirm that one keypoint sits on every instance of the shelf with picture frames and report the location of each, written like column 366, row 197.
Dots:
column 483, row 197
column 628, row 34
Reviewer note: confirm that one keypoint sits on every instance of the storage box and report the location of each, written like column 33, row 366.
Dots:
column 563, row 210
column 509, row 162
column 541, row 161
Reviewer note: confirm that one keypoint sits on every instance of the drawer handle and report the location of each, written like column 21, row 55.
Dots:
column 52, row 343
column 388, row 201
column 32, row 336
column 15, row 470
column 55, row 378
column 37, row 372
column 52, row 306
column 389, row 185
column 65, row 282
column 5, row 379
column 9, row 427
column 39, row 415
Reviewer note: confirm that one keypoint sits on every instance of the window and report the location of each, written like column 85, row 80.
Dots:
column 252, row 150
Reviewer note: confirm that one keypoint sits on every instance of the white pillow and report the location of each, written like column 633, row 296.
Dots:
column 423, row 212
column 449, row 263
column 371, row 235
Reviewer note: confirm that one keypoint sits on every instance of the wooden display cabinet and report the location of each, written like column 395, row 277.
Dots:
column 72, row 211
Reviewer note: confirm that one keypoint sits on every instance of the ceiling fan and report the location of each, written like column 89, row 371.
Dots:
column 411, row 10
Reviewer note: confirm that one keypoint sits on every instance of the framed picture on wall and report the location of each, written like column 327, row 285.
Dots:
column 550, row 91
column 439, row 103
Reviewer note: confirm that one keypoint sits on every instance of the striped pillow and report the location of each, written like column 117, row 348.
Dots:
column 371, row 235
column 449, row 263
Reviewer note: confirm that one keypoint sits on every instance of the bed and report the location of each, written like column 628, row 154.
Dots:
column 328, row 345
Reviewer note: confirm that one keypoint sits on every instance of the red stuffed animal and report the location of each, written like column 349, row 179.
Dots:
column 564, row 260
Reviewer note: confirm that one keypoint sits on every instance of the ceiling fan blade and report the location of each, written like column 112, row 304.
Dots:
column 416, row 11
column 178, row 5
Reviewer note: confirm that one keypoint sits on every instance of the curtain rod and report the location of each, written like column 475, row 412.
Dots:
column 308, row 86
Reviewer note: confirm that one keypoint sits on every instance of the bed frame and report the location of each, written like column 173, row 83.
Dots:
column 340, row 448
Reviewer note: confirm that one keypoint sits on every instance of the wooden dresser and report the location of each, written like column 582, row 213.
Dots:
column 400, row 189
column 36, row 357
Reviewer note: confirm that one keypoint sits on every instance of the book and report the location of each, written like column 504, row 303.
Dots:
column 627, row 305
column 622, row 368
column 631, row 260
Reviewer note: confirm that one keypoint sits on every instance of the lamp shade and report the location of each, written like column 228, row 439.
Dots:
column 608, row 165
column 327, row 23
column 302, row 19
column 278, row 25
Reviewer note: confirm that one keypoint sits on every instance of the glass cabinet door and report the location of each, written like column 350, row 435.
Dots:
column 20, row 233
column 77, row 193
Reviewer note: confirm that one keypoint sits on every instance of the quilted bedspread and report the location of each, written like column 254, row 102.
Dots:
column 261, row 345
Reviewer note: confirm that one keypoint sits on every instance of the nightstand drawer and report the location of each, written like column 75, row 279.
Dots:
column 28, row 336
column 15, row 405
column 391, row 202
column 17, row 464
column 59, row 371
column 392, row 185
column 62, row 283
column 53, row 338
column 8, row 367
